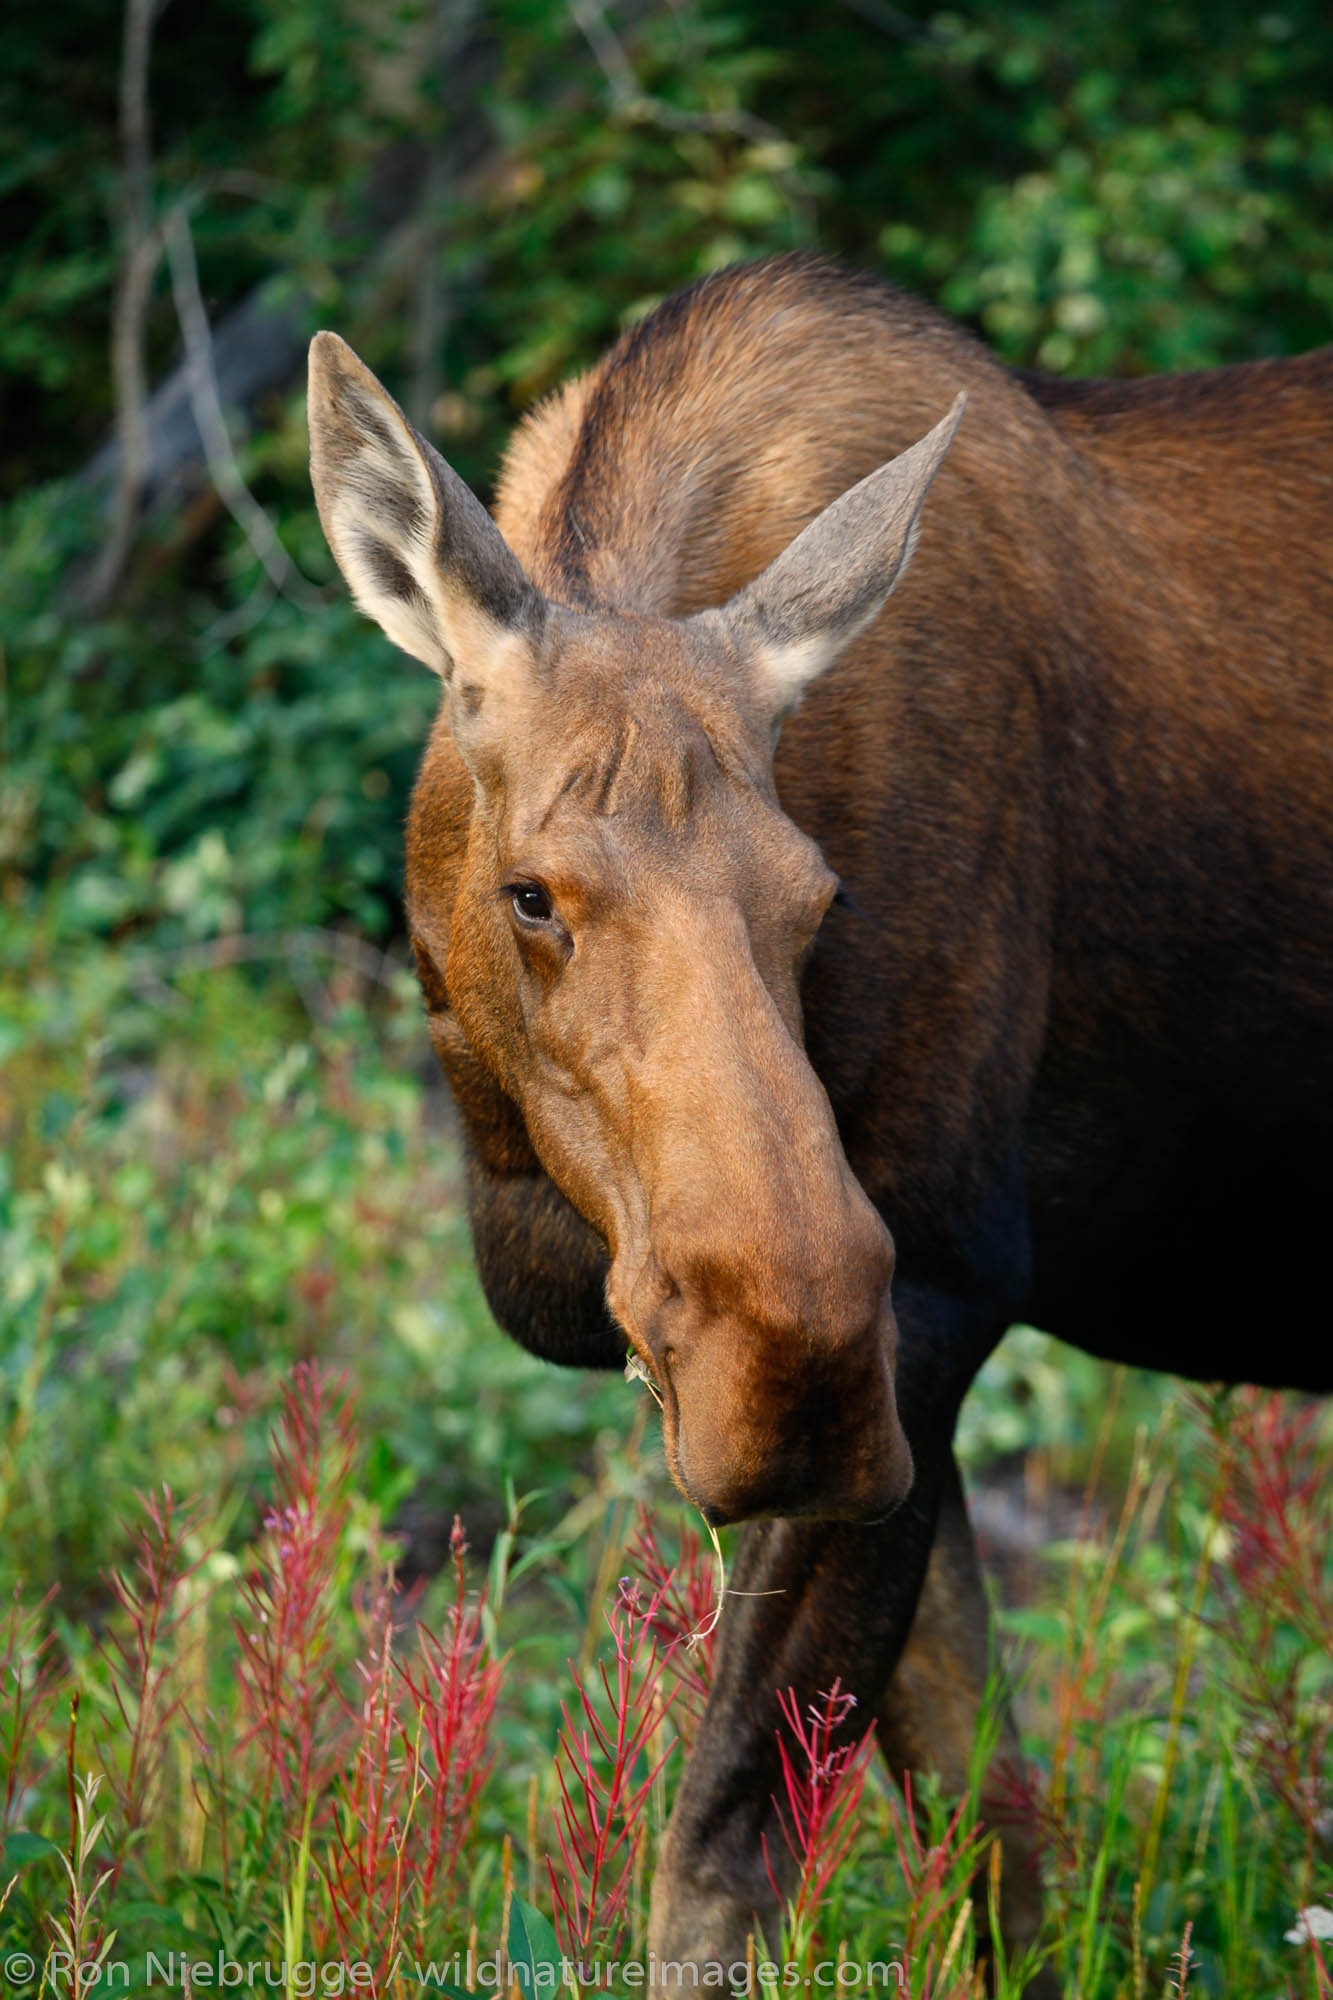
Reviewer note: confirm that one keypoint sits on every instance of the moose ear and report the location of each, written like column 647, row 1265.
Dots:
column 827, row 585
column 419, row 551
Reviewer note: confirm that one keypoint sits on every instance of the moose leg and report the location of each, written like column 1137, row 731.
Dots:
column 804, row 1615
column 929, row 1712
column 809, row 1602
column 816, row 1602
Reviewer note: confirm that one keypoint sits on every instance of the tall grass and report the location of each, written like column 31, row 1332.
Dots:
column 286, row 1755
column 230, row 1728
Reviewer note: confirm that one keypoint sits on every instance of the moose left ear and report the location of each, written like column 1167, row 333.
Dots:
column 827, row 585
column 418, row 549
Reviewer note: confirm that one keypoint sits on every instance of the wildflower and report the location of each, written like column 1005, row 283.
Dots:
column 1313, row 1922
column 604, row 1785
column 823, row 1782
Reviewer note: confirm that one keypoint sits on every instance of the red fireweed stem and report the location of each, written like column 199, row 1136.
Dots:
column 1277, row 1512
column 599, row 1851
column 598, row 1815
column 362, row 1868
column 532, row 1838
column 26, row 1667
column 1323, row 1977
column 925, row 1869
column 438, row 1809
column 287, row 1598
column 685, row 1625
column 1182, row 1961
column 933, row 1900
column 138, row 1676
column 1278, row 1520
column 452, row 1696
column 822, row 1791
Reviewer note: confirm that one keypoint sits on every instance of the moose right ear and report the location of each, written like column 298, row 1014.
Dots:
column 827, row 585
column 419, row 551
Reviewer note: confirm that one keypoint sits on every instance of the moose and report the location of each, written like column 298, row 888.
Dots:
column 828, row 979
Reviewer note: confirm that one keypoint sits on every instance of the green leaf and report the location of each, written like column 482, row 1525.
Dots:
column 22, row 1849
column 1043, row 1626
column 534, row 1949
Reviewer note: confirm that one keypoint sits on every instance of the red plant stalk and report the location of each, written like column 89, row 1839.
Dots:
column 284, row 1634
column 1323, row 1976
column 142, row 1658
column 1180, row 1963
column 1277, row 1592
column 452, row 1693
column 684, row 1625
column 933, row 1897
column 423, row 1753
column 1278, row 1507
column 367, row 1865
column 1014, row 1797
column 822, row 1781
column 605, row 1770
column 28, row 1678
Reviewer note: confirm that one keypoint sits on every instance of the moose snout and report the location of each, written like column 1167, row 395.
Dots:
column 777, row 1378
column 746, row 1440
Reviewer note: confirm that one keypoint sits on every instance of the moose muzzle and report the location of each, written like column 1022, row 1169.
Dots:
column 756, row 1284
column 774, row 1357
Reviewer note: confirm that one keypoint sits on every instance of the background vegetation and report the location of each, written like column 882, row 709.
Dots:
column 223, row 1152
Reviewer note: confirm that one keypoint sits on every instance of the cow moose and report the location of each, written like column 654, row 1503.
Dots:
column 826, row 982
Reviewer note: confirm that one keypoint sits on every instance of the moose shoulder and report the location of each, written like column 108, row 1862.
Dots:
column 1060, row 1048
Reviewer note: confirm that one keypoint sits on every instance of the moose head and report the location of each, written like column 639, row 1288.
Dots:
column 626, row 935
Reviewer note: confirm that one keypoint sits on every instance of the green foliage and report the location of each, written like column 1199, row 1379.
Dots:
column 204, row 1177
column 199, row 1185
column 1176, row 1690
column 253, row 793
column 1121, row 188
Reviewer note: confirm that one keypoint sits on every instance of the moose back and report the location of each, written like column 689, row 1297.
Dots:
column 828, row 979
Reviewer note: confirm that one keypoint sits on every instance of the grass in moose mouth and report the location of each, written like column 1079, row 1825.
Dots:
column 234, row 1266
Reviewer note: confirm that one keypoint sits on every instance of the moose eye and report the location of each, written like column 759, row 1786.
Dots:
column 531, row 904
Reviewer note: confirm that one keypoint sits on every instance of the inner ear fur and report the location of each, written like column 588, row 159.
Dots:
column 828, row 584
column 418, row 550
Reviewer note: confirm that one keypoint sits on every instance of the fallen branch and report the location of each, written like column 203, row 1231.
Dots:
column 206, row 403
column 130, row 306
column 256, row 349
column 156, row 458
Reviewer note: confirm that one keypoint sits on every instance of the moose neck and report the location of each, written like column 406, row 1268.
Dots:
column 1086, row 629
column 711, row 435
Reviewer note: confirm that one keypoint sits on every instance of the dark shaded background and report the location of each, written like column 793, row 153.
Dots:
column 479, row 197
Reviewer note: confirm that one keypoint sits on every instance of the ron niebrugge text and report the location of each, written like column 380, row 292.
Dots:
column 310, row 1980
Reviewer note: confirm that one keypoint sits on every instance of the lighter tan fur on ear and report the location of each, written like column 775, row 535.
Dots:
column 375, row 499
column 833, row 580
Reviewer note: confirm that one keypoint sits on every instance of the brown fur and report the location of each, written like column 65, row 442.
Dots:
column 1072, row 1018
